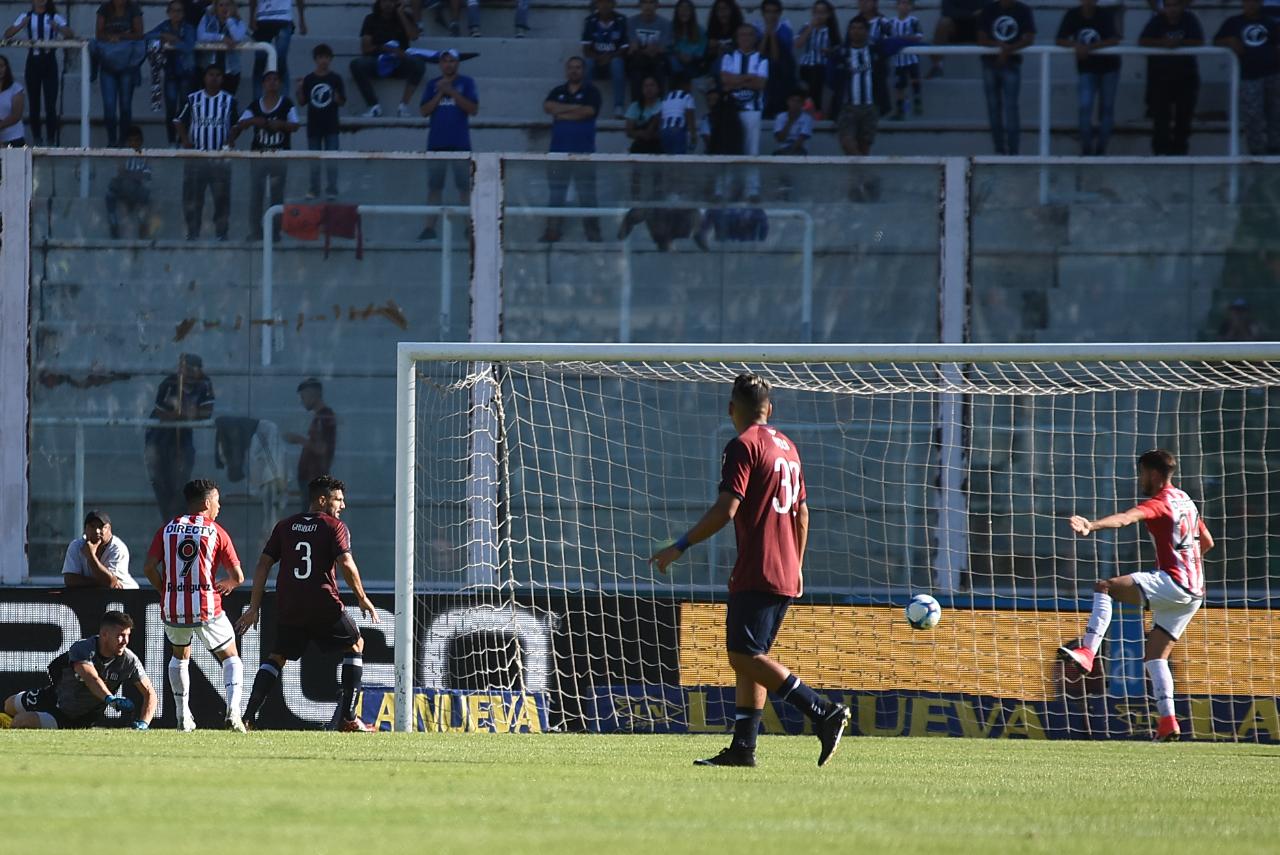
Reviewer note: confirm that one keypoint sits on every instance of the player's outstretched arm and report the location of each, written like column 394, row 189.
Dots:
column 350, row 572
column 716, row 518
column 261, row 574
column 1084, row 526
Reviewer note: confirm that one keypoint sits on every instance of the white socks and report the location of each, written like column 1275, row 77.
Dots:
column 1161, row 685
column 180, row 682
column 233, row 679
column 1099, row 620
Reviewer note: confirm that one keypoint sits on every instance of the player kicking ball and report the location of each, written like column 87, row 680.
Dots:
column 762, row 491
column 308, row 546
column 1174, row 591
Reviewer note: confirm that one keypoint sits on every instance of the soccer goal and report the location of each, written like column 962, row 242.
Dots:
column 533, row 483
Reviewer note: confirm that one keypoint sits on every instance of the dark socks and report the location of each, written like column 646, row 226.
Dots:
column 803, row 698
column 746, row 725
column 352, row 672
column 264, row 682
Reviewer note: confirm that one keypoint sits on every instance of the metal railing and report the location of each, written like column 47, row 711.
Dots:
column 82, row 45
column 445, row 212
column 1046, row 52
column 80, row 423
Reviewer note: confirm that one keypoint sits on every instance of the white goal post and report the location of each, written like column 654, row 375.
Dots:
column 940, row 467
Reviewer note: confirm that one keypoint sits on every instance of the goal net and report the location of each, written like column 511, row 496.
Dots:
column 535, row 481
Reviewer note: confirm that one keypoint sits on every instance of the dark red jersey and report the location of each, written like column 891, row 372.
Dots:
column 762, row 468
column 307, row 547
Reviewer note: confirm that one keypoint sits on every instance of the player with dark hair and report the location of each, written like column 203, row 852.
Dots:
column 1174, row 591
column 86, row 680
column 762, row 490
column 308, row 608
column 188, row 550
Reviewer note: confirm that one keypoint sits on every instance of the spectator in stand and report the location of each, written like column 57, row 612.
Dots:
column 322, row 92
column 1009, row 26
column 1239, row 324
column 859, row 116
column 274, row 119
column 649, row 43
column 13, row 105
column 793, row 128
column 205, row 124
column 906, row 30
column 723, row 22
column 321, row 441
column 449, row 101
column 522, row 18
column 604, row 41
column 221, row 23
column 957, row 25
column 97, row 559
column 1088, row 28
column 688, row 42
column 42, row 23
column 814, row 43
column 1173, row 81
column 120, row 51
column 384, row 37
column 187, row 395
column 272, row 21
column 1255, row 38
column 745, row 74
column 877, row 32
column 131, row 188
column 179, row 40
column 644, row 118
column 573, row 107
column 777, row 46
column 679, row 118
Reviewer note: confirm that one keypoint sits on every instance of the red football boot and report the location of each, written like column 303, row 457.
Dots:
column 355, row 725
column 1082, row 656
column 1167, row 729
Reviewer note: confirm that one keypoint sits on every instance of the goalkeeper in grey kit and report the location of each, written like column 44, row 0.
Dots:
column 86, row 680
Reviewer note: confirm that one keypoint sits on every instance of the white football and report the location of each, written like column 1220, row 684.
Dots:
column 923, row 612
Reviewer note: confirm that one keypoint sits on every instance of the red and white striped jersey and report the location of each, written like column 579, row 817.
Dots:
column 1174, row 523
column 190, row 550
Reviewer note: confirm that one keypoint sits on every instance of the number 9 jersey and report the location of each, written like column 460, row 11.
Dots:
column 191, row 548
column 761, row 467
column 307, row 546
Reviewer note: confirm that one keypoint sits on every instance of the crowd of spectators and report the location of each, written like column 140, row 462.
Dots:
column 752, row 73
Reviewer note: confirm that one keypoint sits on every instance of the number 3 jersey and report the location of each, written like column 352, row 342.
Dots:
column 762, row 468
column 190, row 549
column 307, row 547
column 1174, row 524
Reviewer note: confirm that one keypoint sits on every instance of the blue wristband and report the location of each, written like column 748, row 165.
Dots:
column 683, row 543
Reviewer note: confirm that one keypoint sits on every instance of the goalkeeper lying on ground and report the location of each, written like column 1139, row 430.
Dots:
column 86, row 680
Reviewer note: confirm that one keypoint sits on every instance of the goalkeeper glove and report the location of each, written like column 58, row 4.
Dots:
column 120, row 703
column 141, row 725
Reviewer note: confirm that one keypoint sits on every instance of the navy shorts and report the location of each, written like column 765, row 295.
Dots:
column 752, row 621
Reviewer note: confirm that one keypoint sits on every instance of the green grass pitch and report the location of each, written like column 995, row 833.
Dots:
column 279, row 793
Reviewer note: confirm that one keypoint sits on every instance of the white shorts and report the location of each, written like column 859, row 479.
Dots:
column 216, row 634
column 1172, row 608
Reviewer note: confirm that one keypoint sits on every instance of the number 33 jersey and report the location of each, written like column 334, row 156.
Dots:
column 190, row 549
column 307, row 547
column 762, row 468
